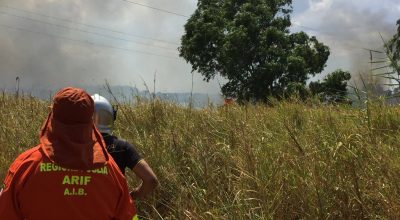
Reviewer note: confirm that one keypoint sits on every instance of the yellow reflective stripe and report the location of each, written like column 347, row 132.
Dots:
column 135, row 217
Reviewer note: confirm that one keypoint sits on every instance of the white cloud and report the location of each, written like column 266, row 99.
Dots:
column 318, row 5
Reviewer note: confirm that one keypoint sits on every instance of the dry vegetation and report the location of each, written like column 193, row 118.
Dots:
column 289, row 161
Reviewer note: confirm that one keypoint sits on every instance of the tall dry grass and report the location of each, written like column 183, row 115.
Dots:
column 290, row 161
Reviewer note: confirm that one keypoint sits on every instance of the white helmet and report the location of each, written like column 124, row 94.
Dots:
column 104, row 114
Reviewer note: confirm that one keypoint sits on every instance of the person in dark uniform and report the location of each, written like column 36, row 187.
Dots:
column 123, row 153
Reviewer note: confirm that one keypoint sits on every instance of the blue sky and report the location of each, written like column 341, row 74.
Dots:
column 58, row 53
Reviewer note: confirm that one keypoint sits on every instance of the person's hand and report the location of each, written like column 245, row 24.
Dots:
column 149, row 180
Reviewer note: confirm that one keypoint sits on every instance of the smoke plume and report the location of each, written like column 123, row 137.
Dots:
column 81, row 42
column 350, row 28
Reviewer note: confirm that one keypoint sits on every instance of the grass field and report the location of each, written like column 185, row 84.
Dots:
column 290, row 161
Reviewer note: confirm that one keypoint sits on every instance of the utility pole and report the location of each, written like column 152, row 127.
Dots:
column 17, row 86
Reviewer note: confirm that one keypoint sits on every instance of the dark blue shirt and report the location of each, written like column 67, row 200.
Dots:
column 123, row 153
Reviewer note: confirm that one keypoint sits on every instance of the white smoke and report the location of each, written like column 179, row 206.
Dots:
column 45, row 55
column 349, row 28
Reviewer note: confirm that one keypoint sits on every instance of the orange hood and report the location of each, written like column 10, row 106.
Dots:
column 69, row 137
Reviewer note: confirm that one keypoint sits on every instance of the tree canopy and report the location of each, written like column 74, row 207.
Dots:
column 248, row 42
column 333, row 88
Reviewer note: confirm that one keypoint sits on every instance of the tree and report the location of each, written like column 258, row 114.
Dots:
column 393, row 46
column 248, row 42
column 333, row 88
column 389, row 67
column 393, row 51
column 298, row 90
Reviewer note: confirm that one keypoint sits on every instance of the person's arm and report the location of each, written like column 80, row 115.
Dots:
column 149, row 180
column 142, row 170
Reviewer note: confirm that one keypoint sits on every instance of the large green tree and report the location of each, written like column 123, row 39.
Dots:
column 248, row 42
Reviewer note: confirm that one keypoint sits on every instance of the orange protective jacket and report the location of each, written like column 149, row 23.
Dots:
column 69, row 175
column 37, row 189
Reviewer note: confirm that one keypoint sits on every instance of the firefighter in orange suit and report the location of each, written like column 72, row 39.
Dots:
column 69, row 175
